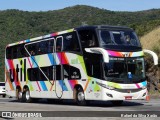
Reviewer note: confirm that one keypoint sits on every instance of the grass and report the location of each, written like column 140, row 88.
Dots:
column 151, row 40
column 154, row 94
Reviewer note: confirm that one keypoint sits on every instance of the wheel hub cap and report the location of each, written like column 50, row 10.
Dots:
column 80, row 96
column 27, row 95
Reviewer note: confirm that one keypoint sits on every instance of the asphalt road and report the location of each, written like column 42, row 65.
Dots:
column 67, row 109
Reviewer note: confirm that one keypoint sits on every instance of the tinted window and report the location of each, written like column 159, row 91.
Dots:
column 39, row 48
column 9, row 53
column 70, row 42
column 74, row 73
column 119, row 37
column 93, row 64
column 2, row 84
column 59, row 42
column 88, row 38
column 17, row 51
column 71, row 73
column 106, row 38
column 35, row 74
column 32, row 49
column 58, row 72
column 125, row 68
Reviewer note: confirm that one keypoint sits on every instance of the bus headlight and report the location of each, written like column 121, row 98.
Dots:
column 144, row 94
column 109, row 87
column 144, row 87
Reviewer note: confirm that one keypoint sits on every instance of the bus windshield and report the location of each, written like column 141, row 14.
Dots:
column 119, row 37
column 124, row 70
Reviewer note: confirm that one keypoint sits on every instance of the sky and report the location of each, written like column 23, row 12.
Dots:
column 45, row 5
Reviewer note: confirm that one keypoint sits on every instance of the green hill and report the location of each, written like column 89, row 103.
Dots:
column 16, row 25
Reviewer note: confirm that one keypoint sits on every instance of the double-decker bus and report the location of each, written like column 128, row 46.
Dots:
column 85, row 63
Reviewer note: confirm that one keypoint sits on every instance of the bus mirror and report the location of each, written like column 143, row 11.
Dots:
column 154, row 55
column 99, row 51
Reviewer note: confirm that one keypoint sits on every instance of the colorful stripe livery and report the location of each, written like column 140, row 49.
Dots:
column 43, row 61
column 46, row 73
column 127, row 86
column 123, row 54
column 42, row 37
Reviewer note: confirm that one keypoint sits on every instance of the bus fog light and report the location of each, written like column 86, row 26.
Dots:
column 109, row 95
column 144, row 94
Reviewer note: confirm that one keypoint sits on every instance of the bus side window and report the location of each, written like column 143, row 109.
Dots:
column 50, row 46
column 9, row 53
column 94, row 65
column 74, row 73
column 88, row 38
column 39, row 48
column 14, row 52
column 17, row 51
column 70, row 42
column 66, row 71
column 105, row 38
column 42, row 47
column 21, row 52
column 32, row 49
column 71, row 73
column 58, row 72
column 35, row 74
column 59, row 44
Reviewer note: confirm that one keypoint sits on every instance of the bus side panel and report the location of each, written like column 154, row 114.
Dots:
column 11, row 76
column 91, row 89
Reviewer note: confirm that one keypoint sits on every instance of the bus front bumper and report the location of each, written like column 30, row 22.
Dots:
column 124, row 94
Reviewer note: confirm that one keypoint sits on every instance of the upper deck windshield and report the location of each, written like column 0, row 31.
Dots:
column 118, row 37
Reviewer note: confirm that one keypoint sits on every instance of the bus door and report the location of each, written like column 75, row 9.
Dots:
column 57, row 68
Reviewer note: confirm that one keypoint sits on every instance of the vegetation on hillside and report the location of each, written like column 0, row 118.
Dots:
column 151, row 41
column 16, row 25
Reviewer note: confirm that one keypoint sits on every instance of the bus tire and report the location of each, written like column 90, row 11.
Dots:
column 26, row 96
column 4, row 95
column 80, row 97
column 51, row 101
column 117, row 102
column 18, row 95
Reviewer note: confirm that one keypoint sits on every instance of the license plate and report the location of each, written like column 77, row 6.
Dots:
column 128, row 97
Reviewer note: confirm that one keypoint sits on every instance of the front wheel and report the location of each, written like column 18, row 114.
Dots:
column 26, row 96
column 4, row 95
column 80, row 98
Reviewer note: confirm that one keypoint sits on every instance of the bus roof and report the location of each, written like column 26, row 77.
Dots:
column 41, row 37
column 104, row 27
column 70, row 30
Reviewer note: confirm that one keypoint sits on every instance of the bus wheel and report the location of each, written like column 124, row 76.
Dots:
column 4, row 95
column 19, row 95
column 26, row 96
column 80, row 98
column 117, row 102
column 50, row 101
